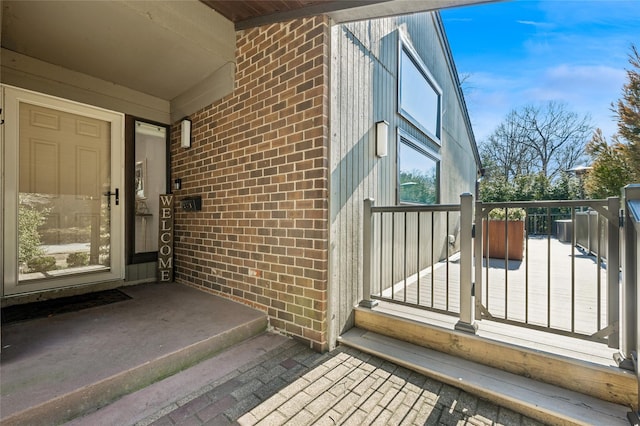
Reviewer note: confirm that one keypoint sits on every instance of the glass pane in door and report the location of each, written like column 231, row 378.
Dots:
column 64, row 199
column 150, row 181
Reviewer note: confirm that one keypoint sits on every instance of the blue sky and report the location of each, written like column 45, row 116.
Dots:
column 527, row 52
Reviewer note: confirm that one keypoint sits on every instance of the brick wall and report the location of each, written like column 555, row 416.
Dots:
column 259, row 158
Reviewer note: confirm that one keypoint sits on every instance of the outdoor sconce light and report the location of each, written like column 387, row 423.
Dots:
column 382, row 138
column 177, row 184
column 185, row 133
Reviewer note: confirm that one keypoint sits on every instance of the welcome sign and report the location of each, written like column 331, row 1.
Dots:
column 165, row 239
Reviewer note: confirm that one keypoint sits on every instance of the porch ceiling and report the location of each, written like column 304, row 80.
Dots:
column 161, row 48
column 178, row 52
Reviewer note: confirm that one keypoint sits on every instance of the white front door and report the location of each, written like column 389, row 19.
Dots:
column 63, row 193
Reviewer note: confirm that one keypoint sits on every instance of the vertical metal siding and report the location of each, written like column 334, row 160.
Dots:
column 363, row 91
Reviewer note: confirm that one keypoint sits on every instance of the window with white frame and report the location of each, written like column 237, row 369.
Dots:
column 419, row 96
column 418, row 172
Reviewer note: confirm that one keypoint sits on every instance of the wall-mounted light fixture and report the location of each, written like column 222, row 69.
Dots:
column 185, row 133
column 177, row 184
column 382, row 138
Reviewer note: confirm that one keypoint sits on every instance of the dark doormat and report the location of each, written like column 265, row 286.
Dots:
column 49, row 308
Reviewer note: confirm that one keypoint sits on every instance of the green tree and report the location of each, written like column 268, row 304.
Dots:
column 567, row 187
column 611, row 169
column 496, row 189
column 628, row 109
column 618, row 164
column 418, row 187
column 529, row 187
column 30, row 218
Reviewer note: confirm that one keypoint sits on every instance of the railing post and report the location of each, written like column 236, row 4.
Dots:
column 630, row 297
column 467, row 308
column 627, row 301
column 367, row 254
column 477, row 253
column 613, row 269
column 634, row 416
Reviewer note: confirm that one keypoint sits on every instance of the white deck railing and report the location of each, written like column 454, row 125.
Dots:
column 423, row 256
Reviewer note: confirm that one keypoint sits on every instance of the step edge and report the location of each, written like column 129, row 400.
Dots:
column 175, row 391
column 498, row 343
column 107, row 390
column 623, row 384
column 536, row 411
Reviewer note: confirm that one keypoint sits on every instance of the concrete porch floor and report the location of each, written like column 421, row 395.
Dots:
column 57, row 368
column 120, row 356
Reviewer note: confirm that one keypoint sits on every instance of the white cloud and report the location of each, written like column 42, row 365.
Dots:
column 602, row 77
column 587, row 90
column 535, row 24
column 577, row 84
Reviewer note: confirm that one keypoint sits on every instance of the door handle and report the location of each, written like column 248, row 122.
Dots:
column 110, row 194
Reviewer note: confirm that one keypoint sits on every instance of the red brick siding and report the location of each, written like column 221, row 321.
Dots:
column 259, row 158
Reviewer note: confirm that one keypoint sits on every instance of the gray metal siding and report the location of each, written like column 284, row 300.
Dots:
column 364, row 91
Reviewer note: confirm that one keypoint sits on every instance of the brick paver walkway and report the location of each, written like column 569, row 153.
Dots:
column 297, row 386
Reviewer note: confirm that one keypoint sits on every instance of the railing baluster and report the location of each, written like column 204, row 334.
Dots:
column 548, row 267
column 405, row 259
column 487, row 258
column 418, row 261
column 506, row 263
column 526, row 268
column 447, row 264
column 599, row 274
column 433, row 271
column 381, row 252
column 573, row 278
column 393, row 254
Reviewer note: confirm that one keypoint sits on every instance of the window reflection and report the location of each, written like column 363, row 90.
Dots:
column 417, row 175
column 150, row 180
column 419, row 97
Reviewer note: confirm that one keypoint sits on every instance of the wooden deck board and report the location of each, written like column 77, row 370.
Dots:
column 432, row 293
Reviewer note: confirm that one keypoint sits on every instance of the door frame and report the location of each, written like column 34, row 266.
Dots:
column 9, row 139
